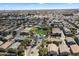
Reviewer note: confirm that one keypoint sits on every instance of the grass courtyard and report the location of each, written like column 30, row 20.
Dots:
column 40, row 31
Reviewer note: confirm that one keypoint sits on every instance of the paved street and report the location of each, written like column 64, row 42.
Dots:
column 62, row 37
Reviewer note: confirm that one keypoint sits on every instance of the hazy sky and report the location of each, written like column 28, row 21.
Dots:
column 22, row 6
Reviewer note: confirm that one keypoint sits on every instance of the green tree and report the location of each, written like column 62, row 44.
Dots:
column 26, row 42
column 11, row 50
column 43, row 52
column 21, row 51
column 2, row 50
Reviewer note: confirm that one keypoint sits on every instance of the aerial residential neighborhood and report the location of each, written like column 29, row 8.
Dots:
column 52, row 32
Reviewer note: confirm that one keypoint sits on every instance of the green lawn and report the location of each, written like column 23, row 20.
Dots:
column 39, row 31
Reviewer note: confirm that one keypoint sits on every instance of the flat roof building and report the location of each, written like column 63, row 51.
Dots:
column 52, row 50
column 64, row 50
column 70, row 41
column 74, row 49
column 26, row 31
column 6, row 44
column 67, row 31
column 15, row 45
column 1, row 42
column 8, row 37
column 56, row 32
